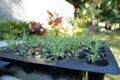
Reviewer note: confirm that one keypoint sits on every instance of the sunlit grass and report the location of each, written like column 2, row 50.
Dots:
column 113, row 41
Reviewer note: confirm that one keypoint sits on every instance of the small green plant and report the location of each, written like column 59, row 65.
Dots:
column 23, row 50
column 11, row 44
column 56, row 48
column 23, row 44
column 93, row 55
column 10, row 40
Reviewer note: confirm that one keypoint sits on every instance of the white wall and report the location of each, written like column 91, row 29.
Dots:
column 34, row 10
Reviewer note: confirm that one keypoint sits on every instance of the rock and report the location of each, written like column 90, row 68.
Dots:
column 7, row 77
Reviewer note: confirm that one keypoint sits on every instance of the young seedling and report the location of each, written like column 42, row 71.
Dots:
column 93, row 55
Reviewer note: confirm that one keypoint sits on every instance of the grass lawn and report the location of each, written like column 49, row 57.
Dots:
column 113, row 41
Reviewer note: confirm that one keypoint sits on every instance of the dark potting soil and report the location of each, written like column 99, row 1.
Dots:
column 102, row 62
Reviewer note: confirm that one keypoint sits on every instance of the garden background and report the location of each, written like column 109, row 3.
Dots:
column 90, row 17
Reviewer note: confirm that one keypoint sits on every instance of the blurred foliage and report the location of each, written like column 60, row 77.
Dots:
column 75, row 26
column 88, row 11
column 95, row 11
column 10, row 29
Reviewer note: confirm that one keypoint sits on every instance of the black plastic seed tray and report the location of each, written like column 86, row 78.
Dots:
column 72, row 63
